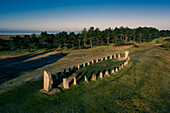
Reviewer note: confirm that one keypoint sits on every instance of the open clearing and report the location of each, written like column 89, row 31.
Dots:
column 142, row 86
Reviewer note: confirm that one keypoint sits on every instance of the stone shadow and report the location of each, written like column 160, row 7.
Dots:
column 16, row 69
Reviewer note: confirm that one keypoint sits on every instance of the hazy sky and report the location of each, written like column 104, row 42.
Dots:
column 74, row 15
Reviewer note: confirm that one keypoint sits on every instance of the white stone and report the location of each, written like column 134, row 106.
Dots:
column 78, row 66
column 85, row 79
column 92, row 61
column 75, row 81
column 116, row 70
column 114, row 55
column 126, row 54
column 118, row 55
column 93, row 77
column 101, row 75
column 97, row 60
column 65, row 83
column 111, row 56
column 84, row 64
column 107, row 73
column 48, row 81
column 113, row 71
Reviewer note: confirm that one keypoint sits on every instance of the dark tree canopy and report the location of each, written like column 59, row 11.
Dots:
column 87, row 38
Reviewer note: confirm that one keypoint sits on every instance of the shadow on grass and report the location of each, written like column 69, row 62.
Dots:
column 117, row 78
column 16, row 69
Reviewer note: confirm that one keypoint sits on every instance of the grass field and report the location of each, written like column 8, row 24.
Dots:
column 142, row 86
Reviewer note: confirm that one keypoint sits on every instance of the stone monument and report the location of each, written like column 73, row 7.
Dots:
column 48, row 81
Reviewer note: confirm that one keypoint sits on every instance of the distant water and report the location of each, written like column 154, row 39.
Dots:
column 31, row 32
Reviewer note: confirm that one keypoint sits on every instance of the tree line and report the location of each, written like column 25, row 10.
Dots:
column 87, row 38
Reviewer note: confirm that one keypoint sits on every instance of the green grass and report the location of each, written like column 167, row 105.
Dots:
column 95, row 68
column 142, row 86
column 25, row 51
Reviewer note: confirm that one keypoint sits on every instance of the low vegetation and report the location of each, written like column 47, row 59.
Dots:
column 167, row 45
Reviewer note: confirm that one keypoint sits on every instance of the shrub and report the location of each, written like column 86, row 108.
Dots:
column 123, row 44
column 165, row 45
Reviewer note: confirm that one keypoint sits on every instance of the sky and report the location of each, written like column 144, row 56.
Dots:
column 74, row 15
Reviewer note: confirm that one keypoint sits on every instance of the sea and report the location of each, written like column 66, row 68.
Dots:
column 31, row 32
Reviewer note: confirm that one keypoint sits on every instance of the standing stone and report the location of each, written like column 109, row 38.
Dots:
column 92, row 61
column 126, row 54
column 65, row 83
column 105, row 58
column 116, row 70
column 118, row 55
column 97, row 60
column 93, row 77
column 78, row 66
column 84, row 64
column 113, row 71
column 75, row 81
column 111, row 56
column 101, row 75
column 85, row 79
column 124, row 63
column 88, row 63
column 101, row 59
column 107, row 73
column 48, row 81
column 114, row 55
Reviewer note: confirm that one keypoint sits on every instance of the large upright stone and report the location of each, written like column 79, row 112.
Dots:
column 101, row 59
column 93, row 77
column 78, row 66
column 48, row 81
column 106, row 58
column 75, row 81
column 124, row 63
column 126, row 54
column 85, row 79
column 92, row 61
column 84, row 64
column 114, row 55
column 97, row 60
column 116, row 70
column 113, row 71
column 65, row 83
column 111, row 57
column 88, row 63
column 101, row 75
column 107, row 73
column 118, row 55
